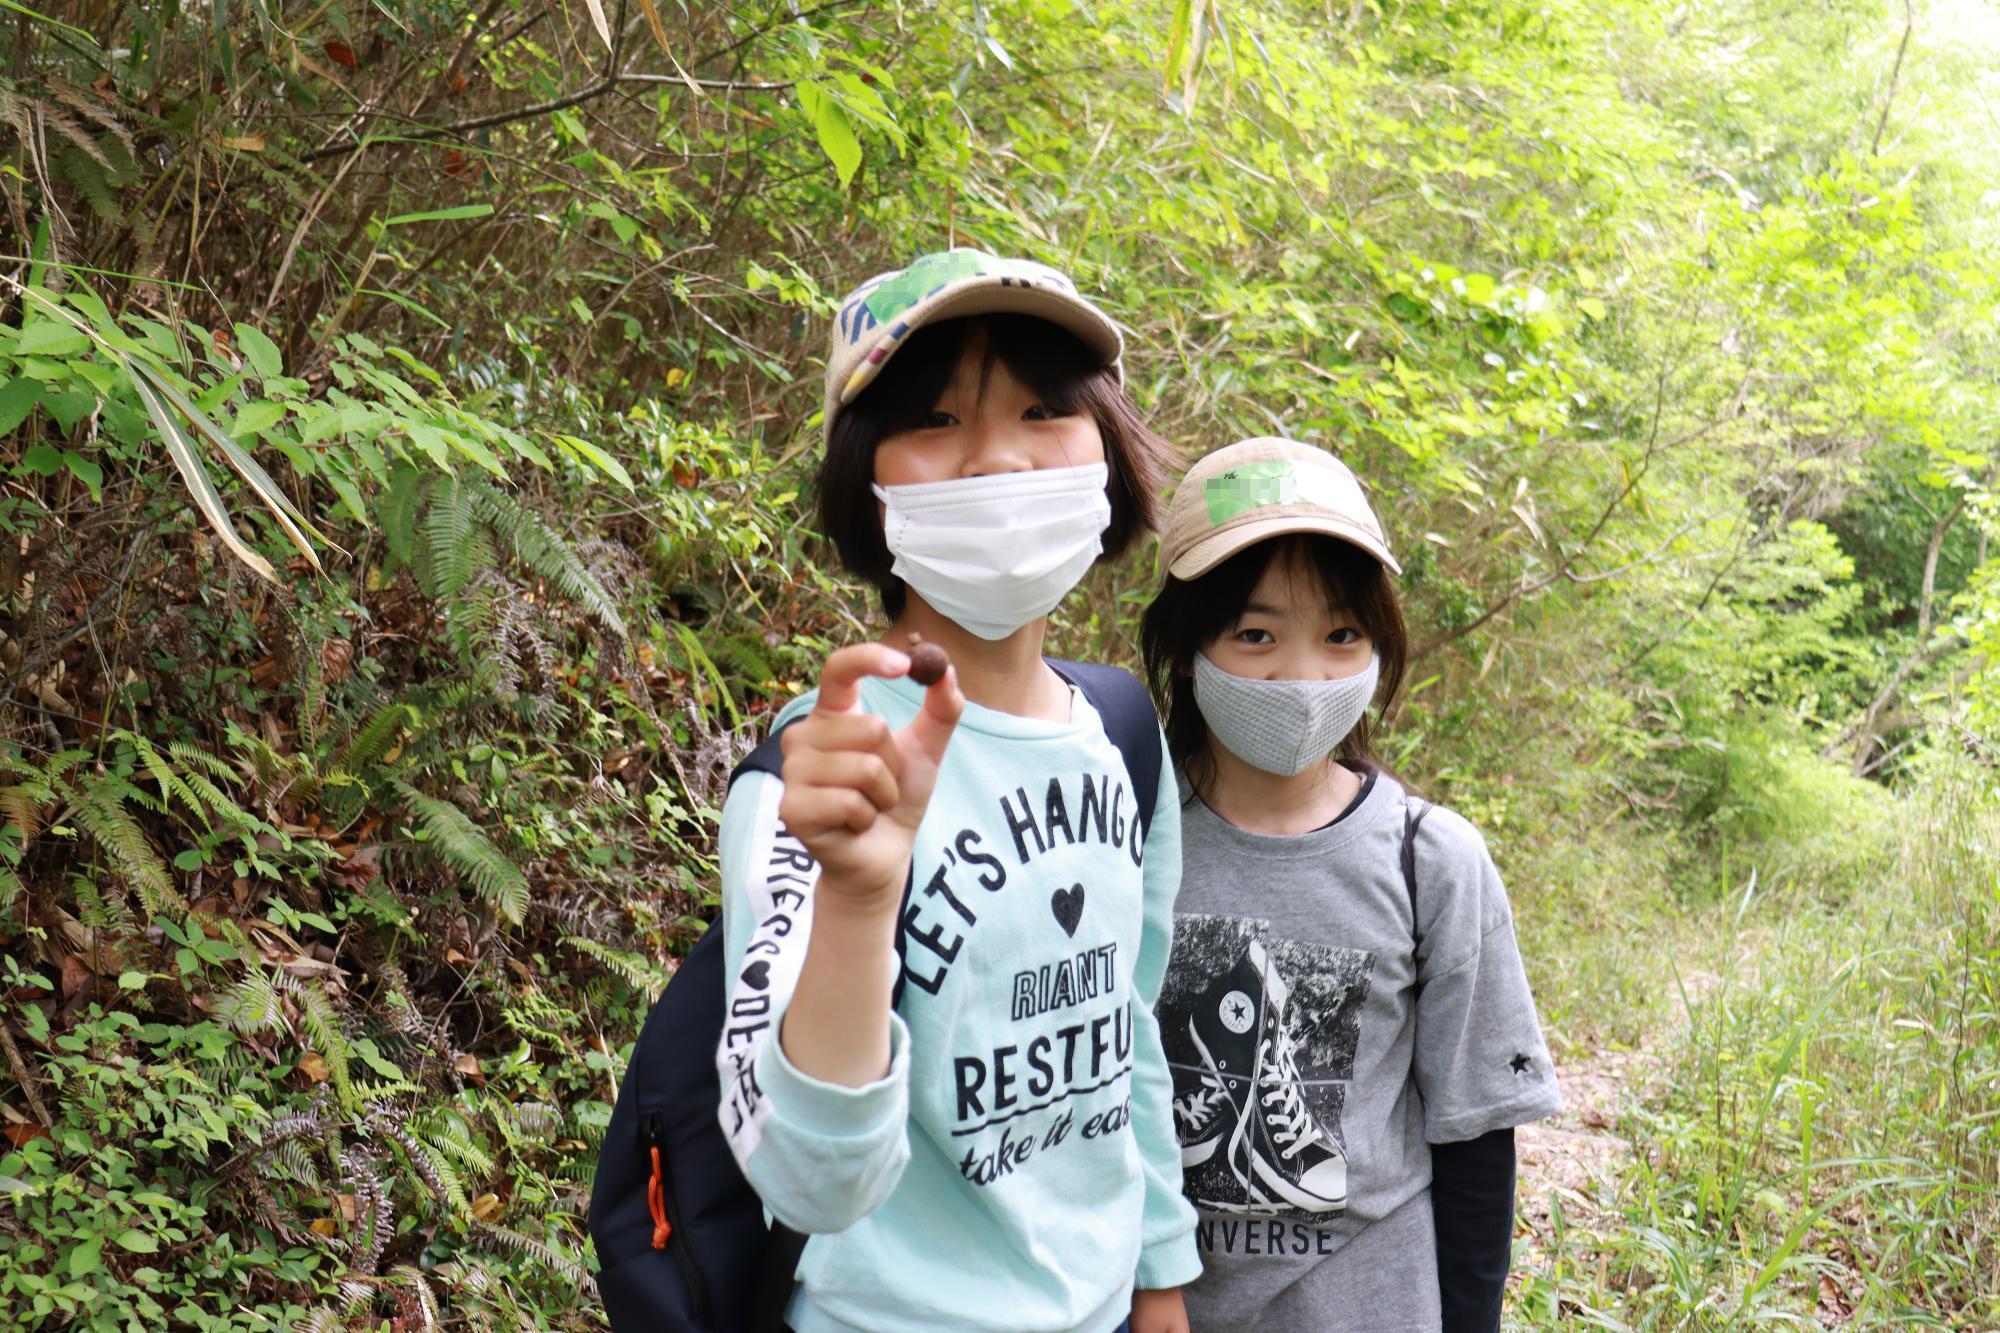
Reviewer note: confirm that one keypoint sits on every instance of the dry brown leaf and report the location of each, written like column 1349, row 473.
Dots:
column 315, row 1067
column 486, row 1207
column 75, row 974
column 347, row 1206
column 323, row 1226
column 334, row 656
column 244, row 143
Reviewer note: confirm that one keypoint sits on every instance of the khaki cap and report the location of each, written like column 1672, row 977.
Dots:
column 1262, row 488
column 877, row 316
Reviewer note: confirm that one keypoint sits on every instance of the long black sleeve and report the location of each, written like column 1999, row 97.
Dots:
column 1472, row 1204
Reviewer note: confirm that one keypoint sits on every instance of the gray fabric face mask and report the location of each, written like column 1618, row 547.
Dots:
column 1281, row 726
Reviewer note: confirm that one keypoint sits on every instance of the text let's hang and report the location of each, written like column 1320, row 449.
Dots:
column 941, row 909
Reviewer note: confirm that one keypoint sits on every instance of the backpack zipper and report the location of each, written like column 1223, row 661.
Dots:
column 671, row 1237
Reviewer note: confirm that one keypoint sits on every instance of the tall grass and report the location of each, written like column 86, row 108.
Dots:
column 1819, row 1148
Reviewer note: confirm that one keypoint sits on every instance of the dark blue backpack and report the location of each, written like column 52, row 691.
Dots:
column 681, row 1238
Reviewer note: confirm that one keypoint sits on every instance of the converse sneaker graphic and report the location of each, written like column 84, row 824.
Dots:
column 1279, row 1151
column 1292, row 1155
column 1202, row 1112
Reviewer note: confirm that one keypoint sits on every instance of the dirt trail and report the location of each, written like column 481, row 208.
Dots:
column 1577, row 1157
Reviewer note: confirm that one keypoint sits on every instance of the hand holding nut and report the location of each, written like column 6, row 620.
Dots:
column 928, row 662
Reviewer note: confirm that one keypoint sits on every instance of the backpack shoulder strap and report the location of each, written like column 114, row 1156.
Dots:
column 1129, row 720
column 1414, row 810
column 769, row 757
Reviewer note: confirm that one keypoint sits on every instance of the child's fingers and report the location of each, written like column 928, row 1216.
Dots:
column 840, row 681
column 929, row 732
column 865, row 733
column 811, row 812
column 857, row 770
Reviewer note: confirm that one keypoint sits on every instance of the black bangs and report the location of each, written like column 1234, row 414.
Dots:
column 1046, row 357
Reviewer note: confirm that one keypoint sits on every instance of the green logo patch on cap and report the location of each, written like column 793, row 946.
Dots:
column 1251, row 486
column 925, row 275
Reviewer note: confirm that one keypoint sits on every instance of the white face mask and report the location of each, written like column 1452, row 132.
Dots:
column 1281, row 726
column 994, row 553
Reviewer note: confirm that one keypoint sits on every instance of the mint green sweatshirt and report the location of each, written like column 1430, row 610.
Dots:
column 1016, row 1170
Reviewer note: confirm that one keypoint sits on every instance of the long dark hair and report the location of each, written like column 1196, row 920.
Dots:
column 1190, row 614
column 1044, row 356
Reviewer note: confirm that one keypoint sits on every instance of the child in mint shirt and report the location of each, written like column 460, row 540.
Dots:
column 977, row 1134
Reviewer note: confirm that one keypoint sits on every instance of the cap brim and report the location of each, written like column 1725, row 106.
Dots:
column 995, row 295
column 1219, row 545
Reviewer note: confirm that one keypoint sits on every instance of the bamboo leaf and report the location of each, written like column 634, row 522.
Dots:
column 459, row 213
column 181, row 450
column 288, row 515
column 597, row 18
column 833, row 129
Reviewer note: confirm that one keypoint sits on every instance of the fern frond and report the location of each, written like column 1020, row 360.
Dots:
column 539, row 547
column 104, row 916
column 21, row 805
column 93, row 176
column 169, row 781
column 219, row 801
column 309, row 649
column 537, row 1120
column 61, row 762
column 464, row 848
column 433, row 1168
column 386, row 1089
column 193, row 756
column 569, row 1267
column 65, row 125
column 252, row 1004
column 419, row 1287
column 10, row 889
column 291, row 1160
column 398, row 512
column 124, row 845
column 374, row 1210
column 641, row 973
column 322, row 1319
column 447, row 1133
column 455, row 547
column 321, row 1020
column 73, row 97
column 118, row 789
column 374, row 739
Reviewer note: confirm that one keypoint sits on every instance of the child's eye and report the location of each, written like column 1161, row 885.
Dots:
column 1254, row 636
column 1043, row 412
column 937, row 421
column 1343, row 637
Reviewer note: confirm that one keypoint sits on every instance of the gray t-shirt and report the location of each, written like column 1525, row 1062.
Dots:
column 1320, row 1042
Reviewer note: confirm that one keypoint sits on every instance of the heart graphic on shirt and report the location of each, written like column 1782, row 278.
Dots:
column 1067, row 904
column 757, row 975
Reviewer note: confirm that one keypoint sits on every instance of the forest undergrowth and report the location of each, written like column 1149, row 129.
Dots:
column 408, row 413
column 1782, row 1106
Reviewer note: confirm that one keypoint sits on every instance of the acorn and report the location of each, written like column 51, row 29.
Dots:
column 928, row 662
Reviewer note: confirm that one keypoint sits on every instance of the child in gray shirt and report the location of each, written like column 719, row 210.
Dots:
column 1345, row 1015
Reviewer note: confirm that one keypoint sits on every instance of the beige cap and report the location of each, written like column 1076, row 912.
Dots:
column 879, row 314
column 1266, row 487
